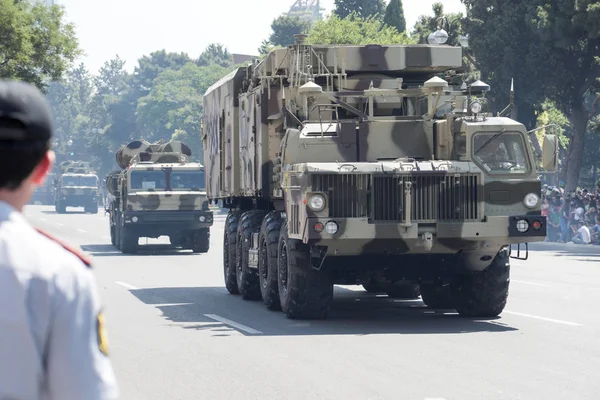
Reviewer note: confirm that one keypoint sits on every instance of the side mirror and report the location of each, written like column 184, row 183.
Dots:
column 550, row 153
column 114, row 184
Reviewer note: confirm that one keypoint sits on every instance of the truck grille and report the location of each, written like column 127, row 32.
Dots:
column 435, row 196
column 347, row 194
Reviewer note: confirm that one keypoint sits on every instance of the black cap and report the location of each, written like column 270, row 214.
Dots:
column 25, row 104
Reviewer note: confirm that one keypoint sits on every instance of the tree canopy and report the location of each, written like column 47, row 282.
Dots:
column 363, row 8
column 394, row 15
column 354, row 30
column 285, row 27
column 36, row 44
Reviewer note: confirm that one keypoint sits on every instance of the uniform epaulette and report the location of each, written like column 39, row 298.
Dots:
column 84, row 259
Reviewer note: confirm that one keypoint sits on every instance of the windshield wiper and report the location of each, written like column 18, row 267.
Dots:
column 490, row 140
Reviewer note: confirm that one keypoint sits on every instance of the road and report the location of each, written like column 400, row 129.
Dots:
column 175, row 332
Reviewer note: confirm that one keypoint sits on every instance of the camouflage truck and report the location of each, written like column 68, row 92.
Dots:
column 44, row 194
column 373, row 165
column 76, row 186
column 158, row 192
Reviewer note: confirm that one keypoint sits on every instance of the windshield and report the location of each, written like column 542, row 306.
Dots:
column 190, row 180
column 70, row 181
column 148, row 180
column 88, row 181
column 501, row 152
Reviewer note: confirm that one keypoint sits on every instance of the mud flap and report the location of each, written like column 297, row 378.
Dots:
column 518, row 256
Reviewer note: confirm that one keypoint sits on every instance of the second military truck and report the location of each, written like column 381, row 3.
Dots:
column 76, row 186
column 158, row 192
column 373, row 165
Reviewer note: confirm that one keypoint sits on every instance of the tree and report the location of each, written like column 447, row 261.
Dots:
column 285, row 27
column 354, row 30
column 215, row 54
column 394, row 15
column 552, row 51
column 36, row 45
column 363, row 8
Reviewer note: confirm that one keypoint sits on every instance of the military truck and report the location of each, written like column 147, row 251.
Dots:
column 76, row 186
column 373, row 165
column 44, row 194
column 158, row 192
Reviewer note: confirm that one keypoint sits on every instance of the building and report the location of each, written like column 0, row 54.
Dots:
column 308, row 10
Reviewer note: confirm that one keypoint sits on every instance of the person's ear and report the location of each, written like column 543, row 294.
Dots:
column 43, row 168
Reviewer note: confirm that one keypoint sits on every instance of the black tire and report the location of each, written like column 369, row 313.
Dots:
column 229, row 250
column 484, row 294
column 436, row 296
column 373, row 286
column 118, row 232
column 268, row 239
column 128, row 240
column 304, row 292
column 403, row 290
column 113, row 238
column 201, row 241
column 247, row 279
column 60, row 208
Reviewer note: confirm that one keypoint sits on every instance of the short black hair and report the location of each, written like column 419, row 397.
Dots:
column 18, row 158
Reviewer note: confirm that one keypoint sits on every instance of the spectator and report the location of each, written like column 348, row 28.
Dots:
column 583, row 235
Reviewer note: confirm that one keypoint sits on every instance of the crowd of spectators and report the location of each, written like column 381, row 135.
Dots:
column 572, row 217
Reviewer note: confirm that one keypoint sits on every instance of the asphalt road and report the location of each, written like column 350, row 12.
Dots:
column 175, row 332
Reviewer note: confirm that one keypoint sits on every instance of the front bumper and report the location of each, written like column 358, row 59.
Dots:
column 356, row 236
column 168, row 221
column 78, row 200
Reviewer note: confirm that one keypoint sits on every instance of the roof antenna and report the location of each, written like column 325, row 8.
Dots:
column 511, row 104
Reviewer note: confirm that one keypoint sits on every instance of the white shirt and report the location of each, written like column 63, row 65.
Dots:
column 585, row 234
column 50, row 344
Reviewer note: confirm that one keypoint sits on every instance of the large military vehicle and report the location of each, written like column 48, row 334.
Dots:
column 76, row 186
column 44, row 194
column 158, row 192
column 373, row 165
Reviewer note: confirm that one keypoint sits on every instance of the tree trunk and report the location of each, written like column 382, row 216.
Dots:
column 579, row 121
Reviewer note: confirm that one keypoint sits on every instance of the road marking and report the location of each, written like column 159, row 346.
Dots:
column 558, row 321
column 234, row 324
column 529, row 283
column 127, row 285
column 80, row 230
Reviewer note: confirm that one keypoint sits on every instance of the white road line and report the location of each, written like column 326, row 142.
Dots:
column 529, row 283
column 234, row 324
column 80, row 230
column 127, row 285
column 557, row 321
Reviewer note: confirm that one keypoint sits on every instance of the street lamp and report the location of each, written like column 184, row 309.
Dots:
column 70, row 142
column 441, row 36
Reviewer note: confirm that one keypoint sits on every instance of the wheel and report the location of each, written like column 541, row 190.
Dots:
column 229, row 247
column 128, row 240
column 118, row 232
column 436, row 295
column 268, row 239
column 94, row 208
column 304, row 292
column 374, row 286
column 483, row 294
column 403, row 290
column 247, row 279
column 60, row 208
column 201, row 241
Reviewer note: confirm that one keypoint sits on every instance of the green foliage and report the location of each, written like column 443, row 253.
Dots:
column 285, row 27
column 265, row 48
column 427, row 24
column 354, row 30
column 394, row 15
column 363, row 8
column 547, row 115
column 36, row 44
column 215, row 54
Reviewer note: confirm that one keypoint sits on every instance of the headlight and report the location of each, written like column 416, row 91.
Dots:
column 135, row 219
column 522, row 226
column 331, row 227
column 202, row 218
column 317, row 202
column 476, row 107
column 531, row 200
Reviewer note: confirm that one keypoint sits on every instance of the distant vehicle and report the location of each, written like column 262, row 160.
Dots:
column 158, row 192
column 44, row 194
column 373, row 165
column 76, row 186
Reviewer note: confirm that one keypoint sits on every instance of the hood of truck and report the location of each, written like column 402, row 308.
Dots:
column 166, row 201
column 83, row 190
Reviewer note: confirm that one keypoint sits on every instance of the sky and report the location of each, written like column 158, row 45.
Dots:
column 132, row 28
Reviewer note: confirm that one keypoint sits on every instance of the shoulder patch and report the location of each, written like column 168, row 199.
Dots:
column 84, row 259
column 101, row 332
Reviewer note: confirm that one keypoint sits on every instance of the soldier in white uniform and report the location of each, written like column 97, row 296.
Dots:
column 52, row 340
